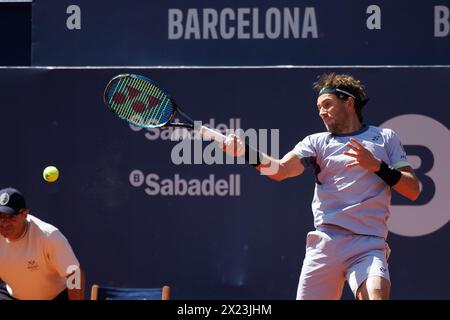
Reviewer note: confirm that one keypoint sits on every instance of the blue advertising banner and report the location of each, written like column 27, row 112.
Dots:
column 243, row 33
column 137, row 217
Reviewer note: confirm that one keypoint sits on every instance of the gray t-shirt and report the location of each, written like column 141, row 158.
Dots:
column 352, row 198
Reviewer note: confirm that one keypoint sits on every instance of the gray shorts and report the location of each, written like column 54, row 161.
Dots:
column 334, row 256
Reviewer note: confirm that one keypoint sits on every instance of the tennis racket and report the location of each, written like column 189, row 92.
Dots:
column 144, row 103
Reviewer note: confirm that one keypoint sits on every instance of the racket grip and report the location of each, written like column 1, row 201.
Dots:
column 212, row 134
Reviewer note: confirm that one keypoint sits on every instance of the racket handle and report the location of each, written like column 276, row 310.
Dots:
column 212, row 134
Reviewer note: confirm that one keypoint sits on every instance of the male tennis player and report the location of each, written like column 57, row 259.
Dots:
column 356, row 166
column 36, row 260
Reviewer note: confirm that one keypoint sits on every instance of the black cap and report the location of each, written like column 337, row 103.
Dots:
column 11, row 201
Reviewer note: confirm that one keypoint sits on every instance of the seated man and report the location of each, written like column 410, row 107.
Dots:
column 36, row 260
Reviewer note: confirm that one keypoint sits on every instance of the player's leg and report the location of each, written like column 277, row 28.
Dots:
column 368, row 273
column 374, row 288
column 322, row 276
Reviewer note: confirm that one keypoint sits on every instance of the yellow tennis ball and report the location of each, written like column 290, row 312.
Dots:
column 51, row 174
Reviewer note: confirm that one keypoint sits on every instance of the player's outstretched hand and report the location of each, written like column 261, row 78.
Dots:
column 233, row 146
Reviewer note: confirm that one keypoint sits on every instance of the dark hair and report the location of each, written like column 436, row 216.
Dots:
column 346, row 83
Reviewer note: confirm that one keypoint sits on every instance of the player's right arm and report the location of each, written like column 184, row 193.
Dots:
column 279, row 169
column 276, row 169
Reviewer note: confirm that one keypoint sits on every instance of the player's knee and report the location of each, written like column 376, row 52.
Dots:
column 378, row 294
column 374, row 288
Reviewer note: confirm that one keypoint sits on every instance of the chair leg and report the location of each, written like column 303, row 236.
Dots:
column 166, row 293
column 94, row 292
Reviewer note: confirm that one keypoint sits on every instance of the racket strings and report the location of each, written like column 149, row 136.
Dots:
column 117, row 98
column 137, row 109
column 139, row 101
column 161, row 98
column 123, row 107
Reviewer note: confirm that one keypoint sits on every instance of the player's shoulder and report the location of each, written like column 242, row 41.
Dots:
column 41, row 227
column 319, row 136
column 385, row 132
column 381, row 130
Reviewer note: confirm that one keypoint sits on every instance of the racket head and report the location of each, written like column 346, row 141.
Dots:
column 139, row 100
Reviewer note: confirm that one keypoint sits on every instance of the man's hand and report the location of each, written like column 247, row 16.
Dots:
column 233, row 146
column 363, row 157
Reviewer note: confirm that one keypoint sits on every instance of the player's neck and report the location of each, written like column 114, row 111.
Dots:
column 352, row 125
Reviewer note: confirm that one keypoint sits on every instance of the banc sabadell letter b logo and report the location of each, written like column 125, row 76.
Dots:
column 424, row 140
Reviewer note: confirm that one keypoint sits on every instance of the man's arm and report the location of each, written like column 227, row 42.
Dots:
column 279, row 169
column 408, row 185
column 76, row 288
column 276, row 169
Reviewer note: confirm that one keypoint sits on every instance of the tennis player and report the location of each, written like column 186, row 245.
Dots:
column 355, row 166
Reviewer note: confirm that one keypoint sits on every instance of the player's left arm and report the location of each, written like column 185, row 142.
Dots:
column 408, row 185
